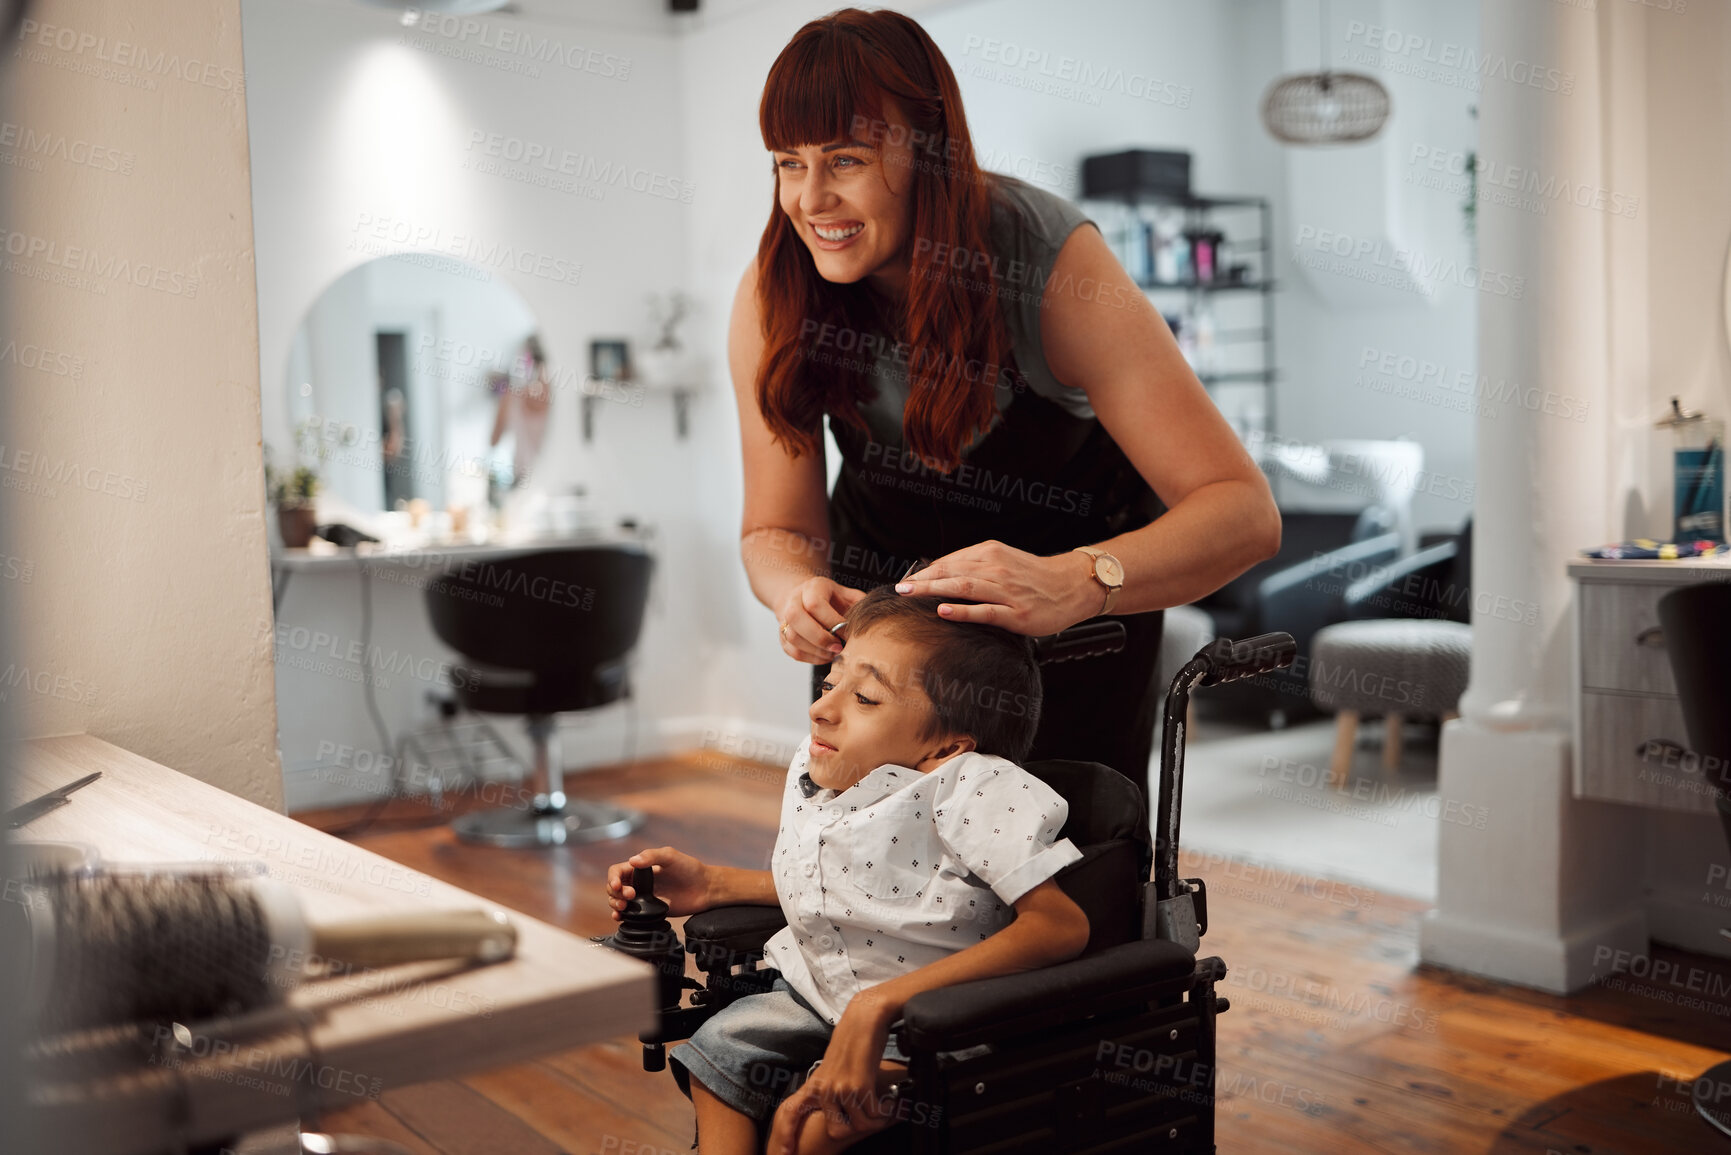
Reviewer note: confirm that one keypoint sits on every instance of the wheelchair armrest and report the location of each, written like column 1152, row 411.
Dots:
column 988, row 1010
column 725, row 932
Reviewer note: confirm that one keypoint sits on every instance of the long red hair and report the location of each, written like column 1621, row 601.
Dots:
column 834, row 71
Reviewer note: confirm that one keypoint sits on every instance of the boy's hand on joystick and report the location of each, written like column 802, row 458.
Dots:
column 681, row 881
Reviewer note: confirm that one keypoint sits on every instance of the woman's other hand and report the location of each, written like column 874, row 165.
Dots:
column 1019, row 591
column 807, row 613
column 681, row 881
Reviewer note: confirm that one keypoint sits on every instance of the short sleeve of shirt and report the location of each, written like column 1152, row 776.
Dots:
column 1001, row 823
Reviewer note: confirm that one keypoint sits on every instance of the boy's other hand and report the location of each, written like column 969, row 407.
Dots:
column 681, row 881
column 849, row 1088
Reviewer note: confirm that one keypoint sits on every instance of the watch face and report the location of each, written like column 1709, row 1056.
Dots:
column 1109, row 569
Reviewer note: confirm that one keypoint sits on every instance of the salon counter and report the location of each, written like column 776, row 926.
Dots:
column 434, row 555
column 359, row 668
column 1628, row 724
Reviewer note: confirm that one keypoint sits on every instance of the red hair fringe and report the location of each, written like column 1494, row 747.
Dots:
column 835, row 69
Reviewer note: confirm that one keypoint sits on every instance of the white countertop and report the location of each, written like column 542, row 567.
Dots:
column 419, row 555
column 367, row 1031
column 1716, row 568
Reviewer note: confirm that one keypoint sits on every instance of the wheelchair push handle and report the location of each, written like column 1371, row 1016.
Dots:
column 1222, row 660
column 1231, row 661
column 1087, row 640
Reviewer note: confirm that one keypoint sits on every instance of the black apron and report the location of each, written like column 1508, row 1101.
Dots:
column 1042, row 480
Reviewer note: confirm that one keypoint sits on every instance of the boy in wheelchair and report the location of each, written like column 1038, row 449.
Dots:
column 913, row 853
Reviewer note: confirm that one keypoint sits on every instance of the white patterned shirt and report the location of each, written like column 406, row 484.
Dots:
column 902, row 868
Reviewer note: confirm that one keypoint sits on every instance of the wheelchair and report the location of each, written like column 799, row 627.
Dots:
column 1113, row 1051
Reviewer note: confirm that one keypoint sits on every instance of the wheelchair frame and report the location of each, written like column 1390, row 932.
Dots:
column 1113, row 1051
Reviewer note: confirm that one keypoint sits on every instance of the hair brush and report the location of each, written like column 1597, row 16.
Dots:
column 187, row 946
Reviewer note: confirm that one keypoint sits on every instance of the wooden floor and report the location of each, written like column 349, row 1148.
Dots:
column 1336, row 1042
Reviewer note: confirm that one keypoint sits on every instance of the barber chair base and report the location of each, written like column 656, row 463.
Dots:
column 542, row 825
column 1710, row 1100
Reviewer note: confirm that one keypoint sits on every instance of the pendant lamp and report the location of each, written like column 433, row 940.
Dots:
column 1325, row 107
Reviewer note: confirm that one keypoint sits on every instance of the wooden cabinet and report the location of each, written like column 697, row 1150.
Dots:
column 1630, row 741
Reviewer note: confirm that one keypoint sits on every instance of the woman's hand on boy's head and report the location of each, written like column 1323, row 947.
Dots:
column 1011, row 588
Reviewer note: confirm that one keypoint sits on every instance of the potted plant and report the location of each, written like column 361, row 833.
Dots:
column 293, row 494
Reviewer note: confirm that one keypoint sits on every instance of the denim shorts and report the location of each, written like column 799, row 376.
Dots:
column 757, row 1050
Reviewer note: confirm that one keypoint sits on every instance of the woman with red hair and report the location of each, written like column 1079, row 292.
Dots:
column 1005, row 398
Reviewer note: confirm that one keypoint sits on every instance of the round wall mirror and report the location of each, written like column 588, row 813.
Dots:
column 415, row 378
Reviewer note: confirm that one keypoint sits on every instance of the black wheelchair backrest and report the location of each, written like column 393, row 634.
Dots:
column 1108, row 823
column 1104, row 805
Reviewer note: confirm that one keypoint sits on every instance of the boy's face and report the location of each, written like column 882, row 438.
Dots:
column 871, row 712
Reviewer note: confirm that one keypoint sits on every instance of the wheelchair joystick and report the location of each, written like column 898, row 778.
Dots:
column 645, row 934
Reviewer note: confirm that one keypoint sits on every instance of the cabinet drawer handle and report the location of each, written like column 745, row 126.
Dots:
column 1653, row 637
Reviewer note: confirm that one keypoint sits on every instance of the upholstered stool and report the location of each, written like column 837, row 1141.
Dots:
column 1398, row 668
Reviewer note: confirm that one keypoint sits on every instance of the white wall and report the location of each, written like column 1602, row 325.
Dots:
column 1335, row 326
column 134, row 484
column 364, row 141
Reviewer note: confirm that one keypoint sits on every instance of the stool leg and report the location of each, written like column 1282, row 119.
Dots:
column 1345, row 739
column 1391, row 743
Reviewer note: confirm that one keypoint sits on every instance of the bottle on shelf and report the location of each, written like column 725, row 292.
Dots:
column 1205, row 254
column 1171, row 251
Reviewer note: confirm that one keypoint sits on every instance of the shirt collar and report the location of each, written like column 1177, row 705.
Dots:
column 880, row 783
column 883, row 781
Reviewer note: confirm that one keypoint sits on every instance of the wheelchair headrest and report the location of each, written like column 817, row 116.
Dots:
column 1105, row 806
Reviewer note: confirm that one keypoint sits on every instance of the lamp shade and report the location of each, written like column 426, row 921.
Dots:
column 1325, row 108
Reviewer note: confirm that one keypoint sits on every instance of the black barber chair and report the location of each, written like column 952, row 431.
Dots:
column 1696, row 621
column 1435, row 583
column 1299, row 591
column 1111, row 1051
column 543, row 634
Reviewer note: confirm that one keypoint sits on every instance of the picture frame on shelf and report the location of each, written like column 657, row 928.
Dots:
column 610, row 360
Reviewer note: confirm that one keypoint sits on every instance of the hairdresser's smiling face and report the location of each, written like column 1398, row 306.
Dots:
column 850, row 202
column 872, row 710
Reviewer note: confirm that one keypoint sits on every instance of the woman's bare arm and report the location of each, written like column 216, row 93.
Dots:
column 784, row 534
column 1102, row 334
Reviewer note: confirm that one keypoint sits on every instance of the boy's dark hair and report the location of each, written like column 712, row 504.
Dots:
column 983, row 681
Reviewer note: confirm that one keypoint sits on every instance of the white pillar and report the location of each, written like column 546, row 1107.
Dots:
column 1551, row 880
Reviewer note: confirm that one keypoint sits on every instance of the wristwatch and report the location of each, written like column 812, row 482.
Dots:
column 1108, row 571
